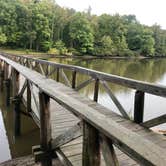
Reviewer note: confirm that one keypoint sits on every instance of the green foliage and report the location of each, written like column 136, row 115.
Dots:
column 3, row 37
column 80, row 33
column 60, row 46
column 42, row 25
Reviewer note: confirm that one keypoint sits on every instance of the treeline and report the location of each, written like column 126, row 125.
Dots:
column 45, row 26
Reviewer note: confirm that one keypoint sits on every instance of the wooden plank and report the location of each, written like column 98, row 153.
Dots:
column 63, row 158
column 108, row 152
column 65, row 78
column 91, row 149
column 139, row 107
column 115, row 100
column 68, row 136
column 57, row 74
column 74, row 79
column 22, row 90
column 17, row 116
column 84, row 84
column 154, row 122
column 45, row 126
column 51, row 72
column 96, row 90
column 41, row 69
column 28, row 97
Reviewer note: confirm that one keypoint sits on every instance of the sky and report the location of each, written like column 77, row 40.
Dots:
column 148, row 12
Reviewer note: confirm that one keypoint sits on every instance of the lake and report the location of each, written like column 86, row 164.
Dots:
column 149, row 70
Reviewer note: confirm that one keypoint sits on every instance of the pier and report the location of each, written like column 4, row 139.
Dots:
column 75, row 130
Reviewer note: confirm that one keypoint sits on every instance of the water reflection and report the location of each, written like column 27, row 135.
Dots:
column 10, row 146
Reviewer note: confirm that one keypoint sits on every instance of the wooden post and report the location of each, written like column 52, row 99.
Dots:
column 139, row 107
column 7, row 84
column 28, row 97
column 57, row 75
column 91, row 147
column 45, row 127
column 2, row 77
column 16, row 100
column 74, row 79
column 96, row 90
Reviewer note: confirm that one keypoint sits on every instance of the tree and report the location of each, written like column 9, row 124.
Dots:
column 81, row 34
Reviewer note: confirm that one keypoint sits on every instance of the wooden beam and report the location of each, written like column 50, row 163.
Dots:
column 74, row 79
column 96, row 90
column 41, row 69
column 84, row 84
column 108, row 151
column 115, row 100
column 154, row 122
column 91, row 148
column 45, row 126
column 65, row 78
column 139, row 107
column 17, row 114
column 57, row 74
column 28, row 97
column 67, row 136
column 63, row 158
column 21, row 91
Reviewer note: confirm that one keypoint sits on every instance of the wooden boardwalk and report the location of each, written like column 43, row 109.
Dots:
column 80, row 131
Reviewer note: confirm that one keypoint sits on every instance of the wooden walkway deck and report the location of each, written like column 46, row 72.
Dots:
column 80, row 131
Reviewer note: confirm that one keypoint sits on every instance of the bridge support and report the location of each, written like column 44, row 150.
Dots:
column 45, row 128
column 16, row 100
column 139, row 107
column 7, row 90
column 1, row 76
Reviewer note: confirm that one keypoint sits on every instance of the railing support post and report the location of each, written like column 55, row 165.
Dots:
column 96, row 90
column 91, row 146
column 16, row 100
column 2, row 77
column 74, row 79
column 7, row 84
column 28, row 97
column 45, row 127
column 139, row 107
column 57, row 74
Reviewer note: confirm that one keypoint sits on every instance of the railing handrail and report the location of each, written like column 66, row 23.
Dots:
column 159, row 90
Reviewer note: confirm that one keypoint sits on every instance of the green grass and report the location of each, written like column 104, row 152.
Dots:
column 21, row 51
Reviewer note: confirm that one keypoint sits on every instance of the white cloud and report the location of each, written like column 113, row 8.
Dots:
column 147, row 11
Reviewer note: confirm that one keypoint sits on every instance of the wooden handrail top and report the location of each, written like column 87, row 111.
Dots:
column 147, row 150
column 159, row 90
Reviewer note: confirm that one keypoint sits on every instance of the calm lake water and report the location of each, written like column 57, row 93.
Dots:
column 149, row 70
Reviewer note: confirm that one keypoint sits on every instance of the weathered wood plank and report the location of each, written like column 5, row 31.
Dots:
column 45, row 126
column 91, row 149
column 84, row 84
column 108, row 152
column 74, row 79
column 115, row 100
column 154, row 122
column 139, row 107
column 68, row 136
column 96, row 90
column 28, row 97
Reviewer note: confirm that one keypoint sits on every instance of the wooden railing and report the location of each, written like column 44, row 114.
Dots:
column 98, row 128
column 47, row 69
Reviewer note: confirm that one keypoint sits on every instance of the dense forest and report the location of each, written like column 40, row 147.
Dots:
column 43, row 25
